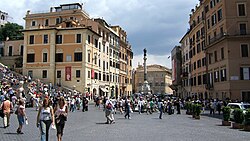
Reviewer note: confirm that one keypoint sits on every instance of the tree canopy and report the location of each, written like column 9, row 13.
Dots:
column 12, row 31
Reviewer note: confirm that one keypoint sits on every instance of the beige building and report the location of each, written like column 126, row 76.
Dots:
column 13, row 55
column 65, row 46
column 159, row 79
column 223, row 36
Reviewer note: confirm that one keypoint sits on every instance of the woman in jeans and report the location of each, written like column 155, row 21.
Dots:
column 45, row 117
column 21, row 116
column 61, row 113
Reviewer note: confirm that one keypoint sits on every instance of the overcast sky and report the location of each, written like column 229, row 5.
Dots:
column 157, row 25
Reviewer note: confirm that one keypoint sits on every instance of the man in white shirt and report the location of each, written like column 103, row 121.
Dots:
column 109, row 111
column 140, row 105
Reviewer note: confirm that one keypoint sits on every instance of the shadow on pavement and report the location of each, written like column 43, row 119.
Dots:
column 101, row 123
column 11, row 133
column 213, row 115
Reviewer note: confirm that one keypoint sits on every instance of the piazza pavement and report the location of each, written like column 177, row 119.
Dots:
column 90, row 126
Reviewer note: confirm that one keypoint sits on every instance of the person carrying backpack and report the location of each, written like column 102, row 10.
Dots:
column 108, row 112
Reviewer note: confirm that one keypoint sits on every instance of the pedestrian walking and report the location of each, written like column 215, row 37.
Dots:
column 178, row 107
column 7, row 108
column 108, row 112
column 21, row 116
column 61, row 113
column 127, row 108
column 160, row 106
column 140, row 105
column 45, row 118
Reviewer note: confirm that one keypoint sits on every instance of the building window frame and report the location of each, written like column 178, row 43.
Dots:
column 243, row 31
column 59, row 57
column 89, row 39
column 216, row 76
column 58, row 74
column 10, row 50
column 223, row 74
column 31, row 39
column 44, row 74
column 45, row 39
column 244, row 73
column 244, row 52
column 78, row 38
column 220, row 15
column 46, row 23
column 33, row 23
column 240, row 14
column 78, row 56
column 30, row 57
column 45, row 57
column 213, row 19
column 59, row 39
column 78, row 73
column 222, row 53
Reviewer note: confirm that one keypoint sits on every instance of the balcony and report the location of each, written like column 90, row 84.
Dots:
column 216, row 38
column 124, row 85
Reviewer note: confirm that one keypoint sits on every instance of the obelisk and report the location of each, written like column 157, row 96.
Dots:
column 145, row 87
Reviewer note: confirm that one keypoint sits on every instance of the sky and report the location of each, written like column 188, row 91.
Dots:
column 157, row 25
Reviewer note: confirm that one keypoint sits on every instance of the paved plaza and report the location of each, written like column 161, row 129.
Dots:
column 89, row 126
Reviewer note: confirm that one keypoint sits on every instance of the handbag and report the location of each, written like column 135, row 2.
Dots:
column 1, row 111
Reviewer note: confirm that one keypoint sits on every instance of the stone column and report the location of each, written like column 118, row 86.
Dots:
column 145, row 64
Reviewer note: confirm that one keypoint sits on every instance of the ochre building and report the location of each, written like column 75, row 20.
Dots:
column 66, row 47
column 215, row 57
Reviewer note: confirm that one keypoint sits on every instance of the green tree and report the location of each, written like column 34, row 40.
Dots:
column 12, row 31
column 19, row 62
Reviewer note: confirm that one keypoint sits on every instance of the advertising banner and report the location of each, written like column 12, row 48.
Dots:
column 67, row 73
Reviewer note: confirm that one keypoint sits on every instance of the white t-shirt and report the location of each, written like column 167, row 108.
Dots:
column 45, row 114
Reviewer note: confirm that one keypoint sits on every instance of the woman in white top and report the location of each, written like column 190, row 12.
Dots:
column 45, row 117
column 61, row 113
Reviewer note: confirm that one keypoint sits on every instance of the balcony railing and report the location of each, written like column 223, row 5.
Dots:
column 216, row 38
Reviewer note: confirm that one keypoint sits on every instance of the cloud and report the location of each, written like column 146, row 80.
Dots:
column 164, row 60
column 157, row 25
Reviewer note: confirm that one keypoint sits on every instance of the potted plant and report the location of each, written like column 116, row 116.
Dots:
column 197, row 111
column 226, row 116
column 238, row 118
column 247, row 120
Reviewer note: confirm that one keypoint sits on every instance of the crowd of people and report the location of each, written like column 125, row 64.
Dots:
column 150, row 104
column 143, row 104
column 17, row 92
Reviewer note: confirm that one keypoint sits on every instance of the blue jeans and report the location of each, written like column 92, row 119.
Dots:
column 161, row 110
column 44, row 128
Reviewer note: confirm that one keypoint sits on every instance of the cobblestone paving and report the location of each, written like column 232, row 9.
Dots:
column 89, row 126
